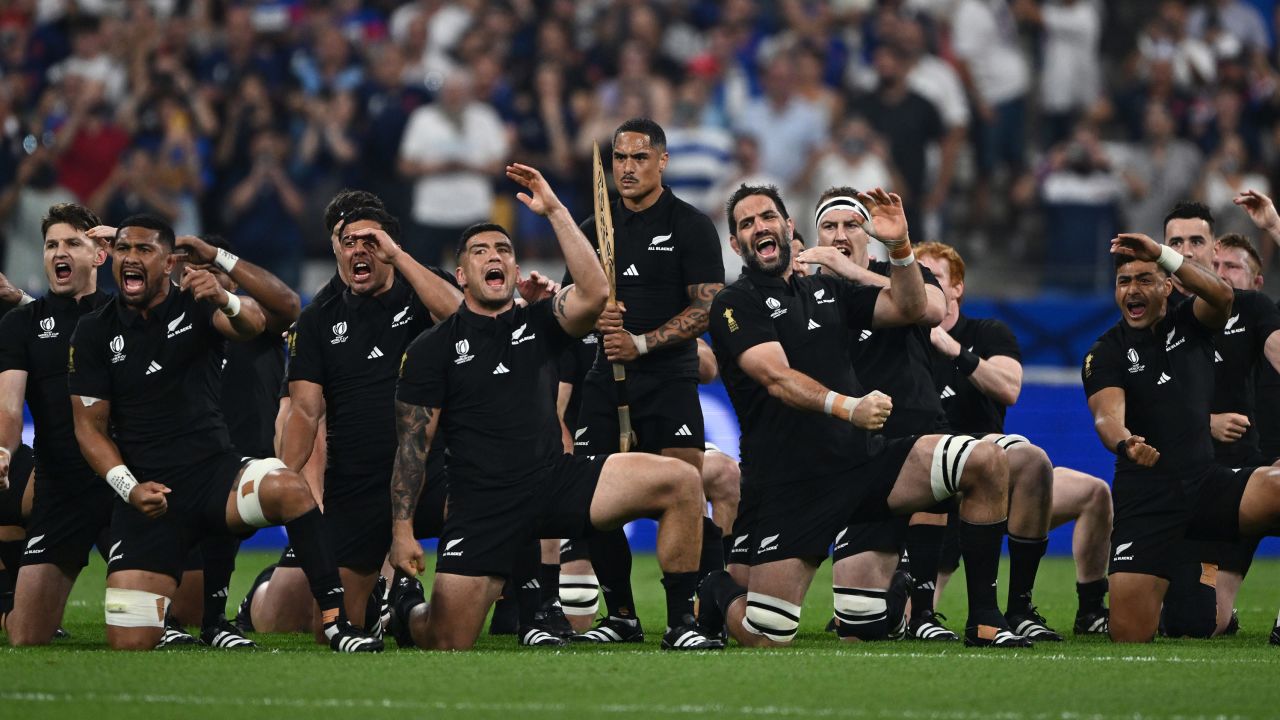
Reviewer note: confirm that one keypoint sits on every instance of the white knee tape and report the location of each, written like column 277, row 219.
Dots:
column 1004, row 442
column 247, row 501
column 949, row 457
column 135, row 608
column 579, row 594
column 859, row 606
column 771, row 617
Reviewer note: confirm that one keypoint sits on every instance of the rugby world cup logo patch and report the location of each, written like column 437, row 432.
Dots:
column 464, row 348
column 117, row 348
column 339, row 333
column 775, row 306
column 46, row 327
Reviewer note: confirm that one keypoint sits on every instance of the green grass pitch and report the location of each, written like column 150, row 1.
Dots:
column 289, row 676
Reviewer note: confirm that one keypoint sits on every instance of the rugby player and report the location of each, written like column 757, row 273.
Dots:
column 486, row 379
column 667, row 267
column 142, row 372
column 975, row 393
column 17, row 494
column 1149, row 382
column 72, row 507
column 811, row 465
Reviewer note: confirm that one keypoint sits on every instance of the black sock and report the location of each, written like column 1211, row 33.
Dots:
column 924, row 548
column 722, row 590
column 1090, row 595
column 525, row 579
column 306, row 535
column 406, row 594
column 549, row 576
column 611, row 559
column 680, row 588
column 1024, row 563
column 288, row 558
column 980, row 547
column 712, row 558
column 219, row 563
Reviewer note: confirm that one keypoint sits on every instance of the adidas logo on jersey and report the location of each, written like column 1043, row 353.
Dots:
column 813, row 325
column 631, row 271
column 1164, row 378
column 154, row 367
column 864, row 336
column 501, row 370
column 684, row 431
column 947, row 392
column 374, row 354
column 1217, row 357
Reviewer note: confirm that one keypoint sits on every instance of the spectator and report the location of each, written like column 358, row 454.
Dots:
column 1081, row 195
column 89, row 144
column 1158, row 172
column 387, row 101
column 701, row 154
column 264, row 208
column 747, row 169
column 132, row 188
column 858, row 158
column 1229, row 23
column 329, row 67
column 90, row 62
column 984, row 37
column 1165, row 39
column 1071, row 71
column 545, row 125
column 325, row 159
column 790, row 130
column 1227, row 174
column 22, row 205
column 453, row 150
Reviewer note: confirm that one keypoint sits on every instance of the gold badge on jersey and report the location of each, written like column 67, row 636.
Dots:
column 1088, row 365
column 71, row 359
column 403, row 357
column 733, row 324
column 293, row 343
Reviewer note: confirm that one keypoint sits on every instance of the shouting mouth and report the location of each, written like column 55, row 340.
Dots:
column 62, row 271
column 361, row 271
column 132, row 281
column 495, row 278
column 767, row 248
column 1135, row 309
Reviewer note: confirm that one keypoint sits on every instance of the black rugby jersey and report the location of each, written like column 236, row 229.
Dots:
column 494, row 380
column 899, row 363
column 574, row 364
column 162, row 375
column 1237, row 355
column 1267, row 410
column 251, row 378
column 812, row 318
column 1166, row 372
column 658, row 253
column 351, row 345
column 35, row 338
column 968, row 409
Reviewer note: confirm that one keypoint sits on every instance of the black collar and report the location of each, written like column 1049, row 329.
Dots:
column 624, row 214
column 88, row 302
column 130, row 317
column 471, row 318
column 760, row 279
column 386, row 300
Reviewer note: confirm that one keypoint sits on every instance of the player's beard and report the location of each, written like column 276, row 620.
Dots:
column 782, row 259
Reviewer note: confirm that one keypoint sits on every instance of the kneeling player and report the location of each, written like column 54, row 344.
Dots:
column 486, row 378
column 783, row 345
column 1149, row 381
column 143, row 374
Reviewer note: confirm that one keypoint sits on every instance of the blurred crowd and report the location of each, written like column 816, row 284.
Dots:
column 1020, row 130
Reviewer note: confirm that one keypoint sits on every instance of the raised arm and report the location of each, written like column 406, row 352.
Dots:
column 439, row 296
column 1262, row 211
column 833, row 260
column 306, row 407
column 238, row 318
column 279, row 303
column 767, row 364
column 415, row 427
column 1108, row 406
column 1214, row 297
column 577, row 306
column 10, row 295
column 904, row 302
column 999, row 377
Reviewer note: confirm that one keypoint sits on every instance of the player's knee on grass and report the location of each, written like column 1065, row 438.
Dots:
column 772, row 618
column 862, row 613
column 1191, row 603
column 135, row 618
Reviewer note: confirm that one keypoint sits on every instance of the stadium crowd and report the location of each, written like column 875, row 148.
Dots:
column 1012, row 126
column 521, row 420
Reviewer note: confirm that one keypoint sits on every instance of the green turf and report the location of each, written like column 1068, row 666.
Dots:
column 819, row 677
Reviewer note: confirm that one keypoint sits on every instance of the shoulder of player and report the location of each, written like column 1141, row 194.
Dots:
column 736, row 292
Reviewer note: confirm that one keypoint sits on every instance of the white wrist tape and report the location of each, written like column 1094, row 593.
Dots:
column 847, row 406
column 232, row 308
column 122, row 481
column 642, row 345
column 225, row 261
column 1170, row 260
column 25, row 299
column 904, row 261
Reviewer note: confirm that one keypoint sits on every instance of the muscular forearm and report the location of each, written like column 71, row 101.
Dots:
column 277, row 299
column 297, row 439
column 906, row 289
column 686, row 326
column 10, row 430
column 97, row 446
column 797, row 390
column 579, row 257
column 414, row 427
column 998, row 383
column 1111, row 431
column 440, row 298
column 1202, row 282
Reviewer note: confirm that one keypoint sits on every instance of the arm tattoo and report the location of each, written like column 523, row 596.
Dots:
column 690, row 323
column 561, row 297
column 410, row 471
